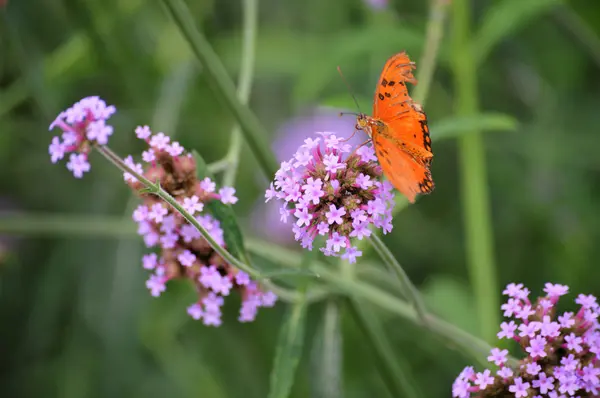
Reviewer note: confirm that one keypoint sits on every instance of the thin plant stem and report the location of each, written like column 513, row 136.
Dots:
column 218, row 166
column 433, row 38
column 392, row 372
column 425, row 69
column 394, row 266
column 458, row 338
column 164, row 195
column 221, row 83
column 580, row 29
column 474, row 189
column 88, row 226
column 249, row 27
column 360, row 289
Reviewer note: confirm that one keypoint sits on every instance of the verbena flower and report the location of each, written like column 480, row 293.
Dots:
column 182, row 251
column 83, row 125
column 560, row 351
column 288, row 137
column 330, row 190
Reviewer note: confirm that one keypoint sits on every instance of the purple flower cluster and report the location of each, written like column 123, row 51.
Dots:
column 332, row 191
column 183, row 252
column 83, row 125
column 561, row 351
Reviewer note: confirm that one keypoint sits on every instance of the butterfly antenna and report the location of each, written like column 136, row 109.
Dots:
column 349, row 89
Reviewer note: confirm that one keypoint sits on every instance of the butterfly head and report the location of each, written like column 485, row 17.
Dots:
column 367, row 124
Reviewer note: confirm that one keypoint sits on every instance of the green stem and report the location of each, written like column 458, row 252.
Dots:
column 580, row 29
column 164, row 195
column 470, row 344
column 392, row 372
column 475, row 196
column 425, row 72
column 433, row 38
column 360, row 289
column 218, row 166
column 253, row 131
column 250, row 11
column 394, row 266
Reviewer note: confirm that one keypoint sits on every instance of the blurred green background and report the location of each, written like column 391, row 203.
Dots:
column 76, row 319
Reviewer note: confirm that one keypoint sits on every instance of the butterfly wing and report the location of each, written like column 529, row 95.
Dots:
column 406, row 120
column 399, row 130
column 409, row 175
column 391, row 87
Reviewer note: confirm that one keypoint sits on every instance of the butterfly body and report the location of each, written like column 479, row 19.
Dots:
column 398, row 130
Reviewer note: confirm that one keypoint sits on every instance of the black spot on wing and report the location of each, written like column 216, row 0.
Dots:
column 426, row 185
column 381, row 97
column 426, row 136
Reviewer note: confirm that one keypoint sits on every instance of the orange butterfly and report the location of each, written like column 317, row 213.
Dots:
column 398, row 130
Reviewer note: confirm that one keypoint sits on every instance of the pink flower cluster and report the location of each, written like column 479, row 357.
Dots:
column 561, row 351
column 332, row 191
column 83, row 125
column 183, row 252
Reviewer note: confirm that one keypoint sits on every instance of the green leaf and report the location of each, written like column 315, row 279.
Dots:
column 225, row 214
column 201, row 166
column 502, row 19
column 326, row 356
column 291, row 340
column 457, row 125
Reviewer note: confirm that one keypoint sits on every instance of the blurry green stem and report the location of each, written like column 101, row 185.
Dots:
column 250, row 11
column 435, row 30
column 164, row 195
column 470, row 344
column 87, row 226
column 426, row 69
column 360, row 289
column 475, row 197
column 218, row 166
column 392, row 371
column 394, row 266
column 580, row 29
column 222, row 84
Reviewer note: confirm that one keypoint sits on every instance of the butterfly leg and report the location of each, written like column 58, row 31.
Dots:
column 358, row 147
column 349, row 138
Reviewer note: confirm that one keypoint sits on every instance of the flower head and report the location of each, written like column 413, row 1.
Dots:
column 82, row 125
column 182, row 252
column 334, row 193
column 561, row 351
